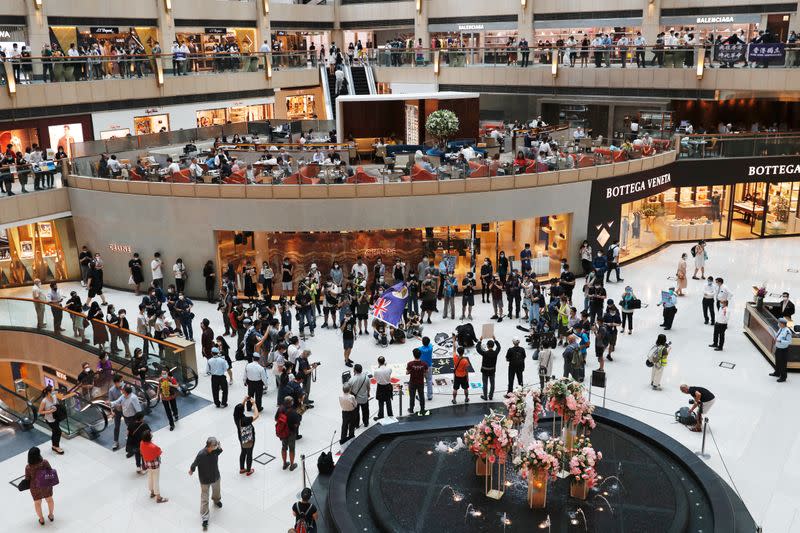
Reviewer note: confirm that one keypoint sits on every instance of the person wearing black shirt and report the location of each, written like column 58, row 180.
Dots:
column 210, row 275
column 293, row 420
column 702, row 401
column 135, row 267
column 348, row 328
column 286, row 276
column 516, row 363
column 612, row 320
column 74, row 304
column 468, row 295
column 305, row 310
column 567, row 283
column 306, row 511
column 597, row 295
column 488, row 365
column 601, row 340
column 412, row 304
column 486, row 279
column 84, row 258
column 502, row 267
column 513, row 292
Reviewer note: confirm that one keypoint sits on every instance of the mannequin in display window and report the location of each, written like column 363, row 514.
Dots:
column 636, row 226
column 624, row 229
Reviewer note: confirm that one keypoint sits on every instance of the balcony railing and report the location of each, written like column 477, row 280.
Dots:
column 717, row 145
column 63, row 68
column 614, row 56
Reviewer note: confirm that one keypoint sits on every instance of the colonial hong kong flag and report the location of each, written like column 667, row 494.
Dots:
column 389, row 307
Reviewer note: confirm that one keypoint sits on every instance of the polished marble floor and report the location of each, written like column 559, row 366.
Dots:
column 752, row 422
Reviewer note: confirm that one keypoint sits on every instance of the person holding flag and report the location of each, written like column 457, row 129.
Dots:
column 388, row 307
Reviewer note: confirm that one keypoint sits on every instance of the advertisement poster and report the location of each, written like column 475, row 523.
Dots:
column 114, row 134
column 26, row 249
column 45, row 229
column 65, row 135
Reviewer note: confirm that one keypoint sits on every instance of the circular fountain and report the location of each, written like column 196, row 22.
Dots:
column 411, row 476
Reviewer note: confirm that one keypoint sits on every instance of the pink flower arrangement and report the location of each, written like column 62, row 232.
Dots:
column 492, row 438
column 583, row 463
column 565, row 397
column 516, row 404
column 540, row 456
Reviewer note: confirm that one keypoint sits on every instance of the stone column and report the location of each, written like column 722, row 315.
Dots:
column 651, row 21
column 166, row 28
column 525, row 22
column 421, row 24
column 38, row 33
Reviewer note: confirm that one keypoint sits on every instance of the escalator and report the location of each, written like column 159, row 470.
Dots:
column 329, row 83
column 360, row 79
column 16, row 409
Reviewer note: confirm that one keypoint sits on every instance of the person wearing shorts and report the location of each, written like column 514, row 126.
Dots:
column 287, row 272
column 460, row 371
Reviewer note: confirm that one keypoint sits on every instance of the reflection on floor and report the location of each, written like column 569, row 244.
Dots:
column 14, row 440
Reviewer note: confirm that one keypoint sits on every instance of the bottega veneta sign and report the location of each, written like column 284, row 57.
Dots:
column 773, row 170
column 638, row 186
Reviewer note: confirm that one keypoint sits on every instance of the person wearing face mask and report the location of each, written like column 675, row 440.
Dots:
column 179, row 272
column 784, row 308
column 168, row 390
column 486, row 279
column 709, row 294
column 95, row 281
column 467, row 295
column 86, row 381
column 287, row 269
column 628, row 303
column 502, row 267
column 668, row 302
column 183, row 310
column 724, row 294
column 52, row 414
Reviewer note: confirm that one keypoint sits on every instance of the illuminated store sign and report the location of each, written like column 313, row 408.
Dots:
column 715, row 20
column 466, row 27
column 773, row 170
column 121, row 248
column 638, row 186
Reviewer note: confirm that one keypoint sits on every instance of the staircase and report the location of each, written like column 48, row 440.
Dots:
column 360, row 81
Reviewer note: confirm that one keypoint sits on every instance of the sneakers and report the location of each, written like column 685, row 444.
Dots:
column 205, row 525
column 293, row 467
column 115, row 447
column 285, row 465
column 218, row 503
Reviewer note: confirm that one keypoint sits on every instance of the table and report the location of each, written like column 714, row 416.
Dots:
column 748, row 209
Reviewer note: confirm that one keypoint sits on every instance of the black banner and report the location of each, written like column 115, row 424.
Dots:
column 217, row 31
column 730, row 53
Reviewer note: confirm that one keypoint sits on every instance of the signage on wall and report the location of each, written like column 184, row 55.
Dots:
column 217, row 31
column 715, row 20
column 104, row 30
column 151, row 110
column 467, row 27
column 773, row 170
column 640, row 186
column 120, row 248
column 5, row 34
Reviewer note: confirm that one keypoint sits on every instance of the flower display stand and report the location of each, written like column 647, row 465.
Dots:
column 481, row 467
column 579, row 489
column 537, row 488
column 495, row 484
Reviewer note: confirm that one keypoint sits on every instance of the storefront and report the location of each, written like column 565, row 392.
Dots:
column 488, row 40
column 694, row 200
column 151, row 123
column 552, row 27
column 203, row 42
column 723, row 25
column 49, row 133
column 238, row 113
column 105, row 36
column 11, row 35
column 465, row 246
column 46, row 250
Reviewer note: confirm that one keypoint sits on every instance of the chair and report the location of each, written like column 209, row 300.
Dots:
column 479, row 171
column 361, row 177
column 180, row 177
column 235, row 178
column 585, row 160
column 310, row 171
column 297, row 179
column 619, row 156
column 419, row 174
column 135, row 176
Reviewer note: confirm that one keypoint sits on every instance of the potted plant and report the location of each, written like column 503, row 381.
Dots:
column 538, row 463
column 490, row 441
column 582, row 468
column 442, row 124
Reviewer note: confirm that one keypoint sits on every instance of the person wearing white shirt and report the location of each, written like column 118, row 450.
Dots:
column 720, row 326
column 468, row 152
column 349, row 407
column 55, row 298
column 195, row 170
column 319, row 157
column 255, row 379
column 359, row 267
column 172, row 167
column 709, row 295
column 544, row 148
column 155, row 268
column 114, row 165
column 622, row 46
column 39, row 297
column 723, row 293
column 383, row 389
column 571, row 50
column 294, row 350
column 640, row 43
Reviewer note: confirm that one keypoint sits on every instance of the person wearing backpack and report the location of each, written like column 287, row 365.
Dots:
column 305, row 513
column 247, row 434
column 612, row 257
column 287, row 427
column 40, row 487
column 167, row 389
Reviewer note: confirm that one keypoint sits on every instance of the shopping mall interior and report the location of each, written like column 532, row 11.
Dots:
column 473, row 230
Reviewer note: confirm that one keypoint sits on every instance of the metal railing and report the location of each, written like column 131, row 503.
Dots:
column 23, row 314
column 704, row 146
column 17, row 409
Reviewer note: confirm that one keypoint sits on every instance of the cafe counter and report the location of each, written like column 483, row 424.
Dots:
column 761, row 327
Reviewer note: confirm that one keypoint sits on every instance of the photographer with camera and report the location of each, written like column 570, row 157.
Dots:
column 702, row 401
column 657, row 360
column 468, row 295
column 305, row 369
column 304, row 303
column 330, row 294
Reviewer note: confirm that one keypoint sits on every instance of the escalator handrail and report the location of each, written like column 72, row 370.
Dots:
column 30, row 405
column 174, row 347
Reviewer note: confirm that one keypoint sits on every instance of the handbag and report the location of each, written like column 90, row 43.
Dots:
column 636, row 303
column 60, row 412
column 130, row 281
column 46, row 478
column 24, row 485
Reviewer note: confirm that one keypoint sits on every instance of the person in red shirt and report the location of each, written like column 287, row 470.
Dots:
column 461, row 371
column 417, row 370
column 151, row 461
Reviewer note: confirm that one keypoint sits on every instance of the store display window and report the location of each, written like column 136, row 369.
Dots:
column 151, row 124
column 19, row 139
column 301, row 106
column 547, row 235
column 44, row 250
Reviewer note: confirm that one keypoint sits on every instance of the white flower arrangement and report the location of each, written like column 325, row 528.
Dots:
column 442, row 124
